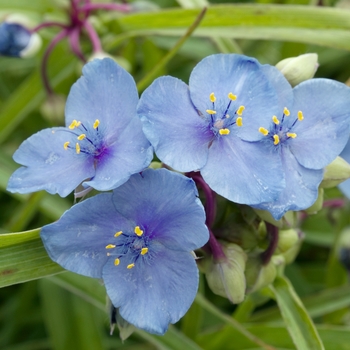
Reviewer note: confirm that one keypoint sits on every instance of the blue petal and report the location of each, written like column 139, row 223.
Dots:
column 178, row 134
column 129, row 154
column 14, row 38
column 244, row 77
column 301, row 189
column 151, row 296
column 243, row 172
column 105, row 92
column 166, row 204
column 324, row 132
column 48, row 166
column 78, row 240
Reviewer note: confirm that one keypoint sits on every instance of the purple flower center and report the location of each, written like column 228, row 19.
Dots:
column 223, row 115
column 132, row 247
column 282, row 130
column 88, row 139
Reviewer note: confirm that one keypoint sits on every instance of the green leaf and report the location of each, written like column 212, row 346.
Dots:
column 299, row 324
column 308, row 24
column 24, row 258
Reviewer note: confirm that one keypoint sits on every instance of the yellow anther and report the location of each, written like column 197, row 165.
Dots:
column 275, row 120
column 77, row 124
column 240, row 110
column 81, row 137
column 300, row 115
column 110, row 246
column 239, row 121
column 212, row 97
column 96, row 124
column 77, row 148
column 286, row 111
column 138, row 231
column 232, row 97
column 276, row 139
column 224, row 131
column 130, row 266
column 292, row 135
column 264, row 131
column 65, row 145
column 144, row 251
column 117, row 234
column 73, row 124
column 210, row 111
column 116, row 262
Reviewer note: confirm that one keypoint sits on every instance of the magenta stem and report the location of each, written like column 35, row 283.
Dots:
column 113, row 7
column 273, row 241
column 49, row 24
column 61, row 35
column 216, row 248
column 95, row 40
column 334, row 203
column 75, row 44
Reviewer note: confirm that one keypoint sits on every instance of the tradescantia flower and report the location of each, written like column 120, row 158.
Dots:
column 139, row 240
column 17, row 41
column 310, row 130
column 211, row 125
column 102, row 144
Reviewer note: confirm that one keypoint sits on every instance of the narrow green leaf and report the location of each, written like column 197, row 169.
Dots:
column 24, row 258
column 308, row 24
column 299, row 324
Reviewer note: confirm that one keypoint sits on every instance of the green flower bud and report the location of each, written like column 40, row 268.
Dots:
column 317, row 206
column 288, row 220
column 287, row 239
column 291, row 253
column 298, row 69
column 226, row 278
column 335, row 173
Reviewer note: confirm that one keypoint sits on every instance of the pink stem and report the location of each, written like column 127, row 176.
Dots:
column 273, row 241
column 75, row 44
column 95, row 40
column 113, row 7
column 49, row 24
column 61, row 35
column 334, row 203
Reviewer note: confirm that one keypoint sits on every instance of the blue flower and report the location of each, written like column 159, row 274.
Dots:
column 307, row 134
column 139, row 240
column 345, row 186
column 212, row 125
column 15, row 40
column 102, row 144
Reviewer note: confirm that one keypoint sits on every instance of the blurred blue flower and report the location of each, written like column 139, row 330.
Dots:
column 102, row 144
column 307, row 137
column 345, row 186
column 15, row 40
column 139, row 240
column 212, row 125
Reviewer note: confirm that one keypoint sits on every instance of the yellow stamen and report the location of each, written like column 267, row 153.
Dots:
column 130, row 266
column 73, row 124
column 117, row 234
column 138, row 231
column 77, row 148
column 293, row 135
column 300, row 115
column 240, row 110
column 210, row 111
column 116, row 262
column 275, row 120
column 224, row 131
column 286, row 111
column 110, row 246
column 144, row 251
column 96, row 124
column 232, row 97
column 276, row 139
column 264, row 131
column 81, row 137
column 77, row 124
column 65, row 145
column 212, row 97
column 239, row 121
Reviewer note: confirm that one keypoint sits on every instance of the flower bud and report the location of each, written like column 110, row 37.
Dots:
column 125, row 328
column 258, row 275
column 16, row 40
column 287, row 239
column 226, row 278
column 298, row 69
column 292, row 252
column 317, row 206
column 288, row 220
column 335, row 173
